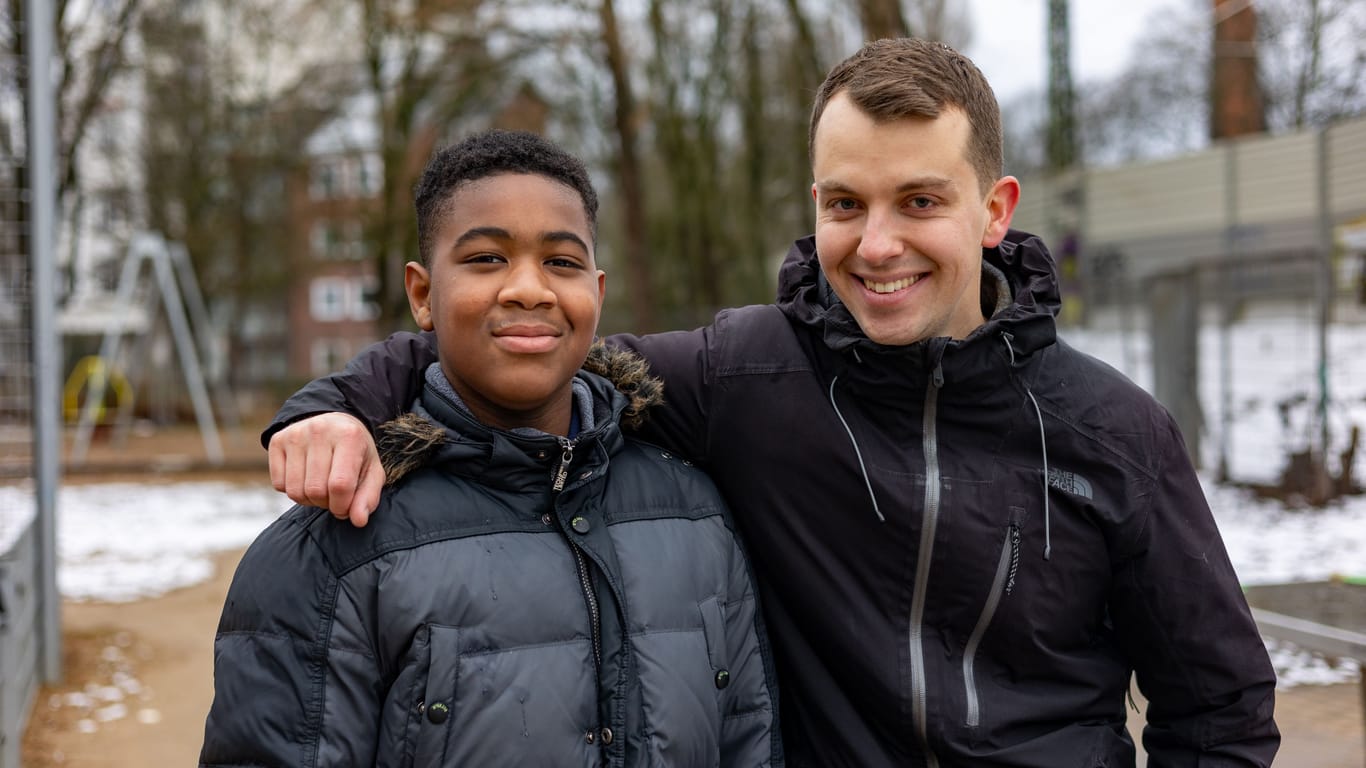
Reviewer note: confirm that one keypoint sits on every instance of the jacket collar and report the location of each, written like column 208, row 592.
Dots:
column 1027, row 315
column 439, row 433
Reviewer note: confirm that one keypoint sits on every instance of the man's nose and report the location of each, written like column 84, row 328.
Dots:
column 526, row 286
column 881, row 238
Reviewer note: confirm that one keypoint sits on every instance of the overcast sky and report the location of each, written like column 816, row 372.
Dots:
column 1010, row 42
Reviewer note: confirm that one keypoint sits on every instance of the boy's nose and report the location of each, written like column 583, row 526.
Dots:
column 526, row 286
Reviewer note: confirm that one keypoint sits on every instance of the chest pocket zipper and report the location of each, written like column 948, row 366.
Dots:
column 1003, row 583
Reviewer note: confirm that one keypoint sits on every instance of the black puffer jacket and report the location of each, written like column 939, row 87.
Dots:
column 485, row 617
column 931, row 599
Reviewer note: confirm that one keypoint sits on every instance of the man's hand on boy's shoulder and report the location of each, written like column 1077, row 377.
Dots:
column 328, row 461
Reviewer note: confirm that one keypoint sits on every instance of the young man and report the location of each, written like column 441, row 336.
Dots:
column 533, row 590
column 968, row 535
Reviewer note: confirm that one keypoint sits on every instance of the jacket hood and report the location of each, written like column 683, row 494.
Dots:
column 617, row 379
column 1022, row 260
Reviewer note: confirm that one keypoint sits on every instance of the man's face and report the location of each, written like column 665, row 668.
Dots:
column 513, row 295
column 901, row 221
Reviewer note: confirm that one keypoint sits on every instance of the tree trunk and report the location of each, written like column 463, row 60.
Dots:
column 629, row 183
column 882, row 18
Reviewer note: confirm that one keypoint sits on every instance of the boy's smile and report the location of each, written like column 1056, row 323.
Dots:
column 514, row 296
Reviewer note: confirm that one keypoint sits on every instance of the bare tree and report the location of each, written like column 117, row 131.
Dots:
column 882, row 18
column 91, row 40
column 1313, row 61
column 632, row 195
column 1311, row 66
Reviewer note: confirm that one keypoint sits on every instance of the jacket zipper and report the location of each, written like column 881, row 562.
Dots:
column 1005, row 568
column 928, row 524
column 585, row 581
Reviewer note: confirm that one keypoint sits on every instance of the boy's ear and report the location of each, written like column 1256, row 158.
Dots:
column 417, row 281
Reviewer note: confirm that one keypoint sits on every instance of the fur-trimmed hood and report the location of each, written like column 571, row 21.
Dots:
column 410, row 441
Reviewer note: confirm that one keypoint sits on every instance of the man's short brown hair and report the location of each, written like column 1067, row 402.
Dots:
column 906, row 77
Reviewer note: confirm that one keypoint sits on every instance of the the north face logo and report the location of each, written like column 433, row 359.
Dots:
column 1069, row 481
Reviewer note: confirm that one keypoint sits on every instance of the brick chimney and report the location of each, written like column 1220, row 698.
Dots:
column 1236, row 103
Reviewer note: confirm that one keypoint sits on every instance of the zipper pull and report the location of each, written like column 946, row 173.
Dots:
column 562, row 473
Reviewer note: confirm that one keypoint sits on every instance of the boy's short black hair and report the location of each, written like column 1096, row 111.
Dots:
column 487, row 154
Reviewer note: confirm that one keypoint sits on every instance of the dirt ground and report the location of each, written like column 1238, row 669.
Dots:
column 138, row 677
column 158, row 655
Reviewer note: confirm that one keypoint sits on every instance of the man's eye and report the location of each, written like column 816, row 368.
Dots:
column 922, row 203
column 844, row 204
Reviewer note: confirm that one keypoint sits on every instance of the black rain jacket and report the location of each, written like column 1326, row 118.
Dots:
column 965, row 548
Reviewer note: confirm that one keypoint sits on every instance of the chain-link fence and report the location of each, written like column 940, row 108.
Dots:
column 29, row 430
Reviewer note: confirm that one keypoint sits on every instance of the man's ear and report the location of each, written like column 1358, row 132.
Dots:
column 1001, row 200
column 417, row 281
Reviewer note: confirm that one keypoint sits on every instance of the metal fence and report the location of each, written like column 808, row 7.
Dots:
column 1194, row 243
column 30, row 648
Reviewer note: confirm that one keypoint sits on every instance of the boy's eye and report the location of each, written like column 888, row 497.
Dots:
column 562, row 261
column 484, row 258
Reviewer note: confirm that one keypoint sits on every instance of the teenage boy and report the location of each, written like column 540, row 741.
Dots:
column 968, row 535
column 534, row 589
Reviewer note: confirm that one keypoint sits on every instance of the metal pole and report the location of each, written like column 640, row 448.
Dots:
column 47, row 384
column 1223, row 274
column 189, row 358
column 1325, row 291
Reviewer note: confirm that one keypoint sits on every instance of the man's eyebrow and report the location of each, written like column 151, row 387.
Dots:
column 923, row 183
column 927, row 183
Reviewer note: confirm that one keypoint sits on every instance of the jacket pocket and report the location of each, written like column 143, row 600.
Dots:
column 419, row 704
column 437, row 708
column 714, row 631
column 1002, row 582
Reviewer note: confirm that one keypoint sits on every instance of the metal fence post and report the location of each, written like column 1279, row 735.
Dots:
column 42, row 166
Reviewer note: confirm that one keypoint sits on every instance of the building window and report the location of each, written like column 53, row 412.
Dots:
column 327, row 299
column 328, row 355
column 371, row 175
column 334, row 299
column 346, row 176
column 337, row 241
column 325, row 181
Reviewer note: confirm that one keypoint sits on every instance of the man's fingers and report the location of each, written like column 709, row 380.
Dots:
column 278, row 461
column 321, row 461
column 367, row 494
column 348, row 463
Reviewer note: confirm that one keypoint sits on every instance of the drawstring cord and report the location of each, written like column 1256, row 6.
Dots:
column 1043, row 446
column 857, row 453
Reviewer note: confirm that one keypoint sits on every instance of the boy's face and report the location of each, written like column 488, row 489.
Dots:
column 514, row 297
column 901, row 221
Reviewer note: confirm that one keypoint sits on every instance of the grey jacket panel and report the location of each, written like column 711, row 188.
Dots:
column 456, row 628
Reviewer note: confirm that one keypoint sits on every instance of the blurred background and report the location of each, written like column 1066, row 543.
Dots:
column 213, row 206
column 275, row 143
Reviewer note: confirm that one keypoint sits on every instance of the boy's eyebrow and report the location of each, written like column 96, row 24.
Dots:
column 498, row 233
column 565, row 236
column 492, row 233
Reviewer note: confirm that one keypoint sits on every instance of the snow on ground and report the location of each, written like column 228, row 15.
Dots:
column 126, row 541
